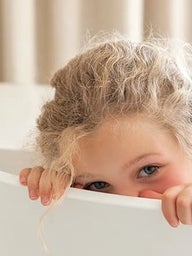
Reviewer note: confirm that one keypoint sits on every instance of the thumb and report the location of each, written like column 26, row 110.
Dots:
column 150, row 194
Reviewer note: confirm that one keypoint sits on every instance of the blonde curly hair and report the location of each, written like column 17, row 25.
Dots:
column 113, row 78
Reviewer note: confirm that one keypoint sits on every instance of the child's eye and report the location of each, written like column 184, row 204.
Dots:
column 147, row 171
column 97, row 186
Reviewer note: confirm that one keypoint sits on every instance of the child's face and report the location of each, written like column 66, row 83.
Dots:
column 129, row 156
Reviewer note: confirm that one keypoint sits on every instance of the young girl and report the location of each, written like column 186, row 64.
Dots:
column 120, row 122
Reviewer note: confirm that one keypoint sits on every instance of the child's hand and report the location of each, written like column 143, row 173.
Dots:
column 40, row 184
column 176, row 203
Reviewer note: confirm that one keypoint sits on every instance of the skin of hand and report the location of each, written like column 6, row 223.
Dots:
column 40, row 184
column 176, row 201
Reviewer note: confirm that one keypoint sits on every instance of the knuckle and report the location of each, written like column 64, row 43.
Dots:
column 25, row 171
column 171, row 193
column 183, row 202
column 168, row 196
column 33, row 182
column 45, row 174
column 38, row 168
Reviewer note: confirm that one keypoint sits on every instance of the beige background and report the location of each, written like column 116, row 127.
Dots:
column 39, row 36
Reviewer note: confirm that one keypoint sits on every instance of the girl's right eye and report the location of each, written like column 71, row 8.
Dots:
column 148, row 171
column 100, row 186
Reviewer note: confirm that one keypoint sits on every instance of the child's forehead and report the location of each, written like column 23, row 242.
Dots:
column 117, row 127
column 118, row 139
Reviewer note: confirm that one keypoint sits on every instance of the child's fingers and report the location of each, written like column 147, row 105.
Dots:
column 183, row 205
column 45, row 187
column 23, row 175
column 44, row 184
column 169, row 206
column 52, row 185
column 33, row 182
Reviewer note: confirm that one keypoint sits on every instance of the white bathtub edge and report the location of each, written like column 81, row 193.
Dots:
column 88, row 196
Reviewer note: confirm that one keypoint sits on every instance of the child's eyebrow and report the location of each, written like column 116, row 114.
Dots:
column 86, row 176
column 140, row 158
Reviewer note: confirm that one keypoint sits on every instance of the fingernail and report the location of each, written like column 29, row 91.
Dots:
column 174, row 224
column 33, row 194
column 45, row 200
column 23, row 180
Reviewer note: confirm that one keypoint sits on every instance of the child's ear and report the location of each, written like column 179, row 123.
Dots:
column 150, row 194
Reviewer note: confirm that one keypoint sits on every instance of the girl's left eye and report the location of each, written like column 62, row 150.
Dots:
column 147, row 171
column 97, row 186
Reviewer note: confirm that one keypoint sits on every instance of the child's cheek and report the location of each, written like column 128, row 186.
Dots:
column 171, row 179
